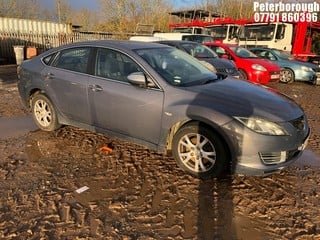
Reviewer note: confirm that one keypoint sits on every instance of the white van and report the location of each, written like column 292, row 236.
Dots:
column 146, row 38
column 200, row 38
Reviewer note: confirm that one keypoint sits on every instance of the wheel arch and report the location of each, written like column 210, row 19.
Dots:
column 61, row 118
column 32, row 93
column 205, row 123
column 248, row 75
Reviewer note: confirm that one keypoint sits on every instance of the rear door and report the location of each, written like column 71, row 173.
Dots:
column 66, row 79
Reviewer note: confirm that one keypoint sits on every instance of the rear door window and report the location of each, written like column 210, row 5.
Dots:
column 74, row 59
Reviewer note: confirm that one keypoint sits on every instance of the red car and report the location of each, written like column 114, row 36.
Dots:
column 250, row 66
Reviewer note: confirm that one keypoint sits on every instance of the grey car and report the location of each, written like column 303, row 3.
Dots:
column 160, row 97
column 205, row 54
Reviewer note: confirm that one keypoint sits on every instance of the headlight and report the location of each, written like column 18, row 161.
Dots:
column 307, row 69
column 262, row 126
column 258, row 67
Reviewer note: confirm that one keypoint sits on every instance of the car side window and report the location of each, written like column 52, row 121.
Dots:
column 74, row 59
column 220, row 51
column 114, row 65
column 270, row 56
column 266, row 54
column 48, row 59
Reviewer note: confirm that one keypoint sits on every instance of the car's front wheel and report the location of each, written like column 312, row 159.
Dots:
column 199, row 151
column 242, row 74
column 44, row 113
column 286, row 75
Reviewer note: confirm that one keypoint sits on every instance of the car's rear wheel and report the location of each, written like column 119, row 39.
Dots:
column 286, row 75
column 200, row 151
column 242, row 74
column 44, row 113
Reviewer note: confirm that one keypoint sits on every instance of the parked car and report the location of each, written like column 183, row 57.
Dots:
column 291, row 68
column 205, row 54
column 250, row 66
column 160, row 97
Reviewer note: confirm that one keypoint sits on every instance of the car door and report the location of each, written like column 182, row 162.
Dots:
column 119, row 106
column 66, row 80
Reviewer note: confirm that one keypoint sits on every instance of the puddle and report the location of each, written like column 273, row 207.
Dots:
column 308, row 158
column 16, row 126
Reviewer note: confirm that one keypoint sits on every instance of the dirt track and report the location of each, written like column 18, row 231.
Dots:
column 135, row 193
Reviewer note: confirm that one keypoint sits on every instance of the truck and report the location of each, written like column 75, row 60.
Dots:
column 296, row 38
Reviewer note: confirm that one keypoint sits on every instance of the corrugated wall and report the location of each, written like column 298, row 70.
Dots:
column 33, row 26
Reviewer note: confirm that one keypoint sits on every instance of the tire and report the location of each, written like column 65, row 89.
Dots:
column 242, row 74
column 44, row 113
column 286, row 75
column 189, row 146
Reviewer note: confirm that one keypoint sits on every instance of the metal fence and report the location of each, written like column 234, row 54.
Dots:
column 43, row 42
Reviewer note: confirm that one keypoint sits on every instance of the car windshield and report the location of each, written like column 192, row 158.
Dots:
column 197, row 38
column 242, row 52
column 198, row 50
column 284, row 55
column 176, row 67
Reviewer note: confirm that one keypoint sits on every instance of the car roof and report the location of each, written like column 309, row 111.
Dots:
column 121, row 44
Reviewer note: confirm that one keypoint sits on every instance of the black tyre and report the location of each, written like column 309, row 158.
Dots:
column 44, row 113
column 199, row 151
column 286, row 75
column 242, row 74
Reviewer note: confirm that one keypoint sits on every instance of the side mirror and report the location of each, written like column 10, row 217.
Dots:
column 137, row 78
column 225, row 56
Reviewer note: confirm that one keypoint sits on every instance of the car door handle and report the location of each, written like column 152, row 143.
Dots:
column 48, row 76
column 95, row 88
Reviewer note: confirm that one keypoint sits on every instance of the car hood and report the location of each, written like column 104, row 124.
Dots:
column 218, row 62
column 241, row 98
column 302, row 63
column 270, row 66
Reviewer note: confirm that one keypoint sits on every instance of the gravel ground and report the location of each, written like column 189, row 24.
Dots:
column 134, row 193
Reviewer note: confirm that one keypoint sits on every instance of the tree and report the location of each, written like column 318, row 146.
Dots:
column 20, row 9
column 124, row 15
column 237, row 9
column 63, row 11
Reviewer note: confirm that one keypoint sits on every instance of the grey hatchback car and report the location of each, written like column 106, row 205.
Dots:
column 160, row 97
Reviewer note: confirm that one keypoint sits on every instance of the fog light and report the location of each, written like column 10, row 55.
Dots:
column 273, row 157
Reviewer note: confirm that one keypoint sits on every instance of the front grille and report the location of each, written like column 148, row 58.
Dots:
column 227, row 70
column 298, row 123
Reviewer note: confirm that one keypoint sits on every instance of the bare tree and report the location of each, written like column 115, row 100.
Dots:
column 237, row 9
column 20, row 9
column 123, row 15
column 87, row 19
column 63, row 11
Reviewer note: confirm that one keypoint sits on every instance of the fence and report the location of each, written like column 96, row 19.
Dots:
column 43, row 42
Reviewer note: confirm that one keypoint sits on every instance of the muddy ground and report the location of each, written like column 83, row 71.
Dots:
column 134, row 193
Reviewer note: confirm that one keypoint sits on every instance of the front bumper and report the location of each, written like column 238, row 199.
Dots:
column 264, row 77
column 264, row 169
column 257, row 154
column 307, row 76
